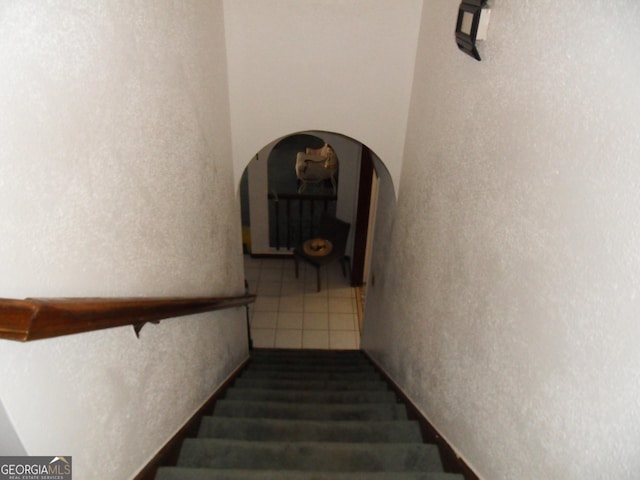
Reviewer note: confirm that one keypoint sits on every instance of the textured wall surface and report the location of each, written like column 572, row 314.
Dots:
column 116, row 179
column 509, row 311
column 328, row 65
column 9, row 442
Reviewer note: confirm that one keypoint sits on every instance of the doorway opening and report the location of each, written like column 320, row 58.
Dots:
column 277, row 214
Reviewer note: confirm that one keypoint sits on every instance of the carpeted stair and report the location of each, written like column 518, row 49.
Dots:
column 312, row 415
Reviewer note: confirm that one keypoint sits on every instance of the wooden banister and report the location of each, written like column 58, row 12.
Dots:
column 39, row 318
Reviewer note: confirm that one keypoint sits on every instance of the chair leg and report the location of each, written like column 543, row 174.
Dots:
column 318, row 270
column 344, row 263
column 295, row 259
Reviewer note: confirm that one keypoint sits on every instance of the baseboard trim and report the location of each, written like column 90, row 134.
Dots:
column 285, row 255
column 167, row 456
column 451, row 461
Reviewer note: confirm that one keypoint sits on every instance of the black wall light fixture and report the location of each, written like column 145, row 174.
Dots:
column 467, row 26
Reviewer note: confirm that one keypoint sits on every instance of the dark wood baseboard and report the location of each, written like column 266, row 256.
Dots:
column 273, row 255
column 287, row 256
column 451, row 462
column 167, row 456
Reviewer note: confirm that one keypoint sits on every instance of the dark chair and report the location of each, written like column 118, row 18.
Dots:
column 337, row 232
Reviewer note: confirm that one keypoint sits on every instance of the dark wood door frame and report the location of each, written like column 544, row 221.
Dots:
column 362, row 218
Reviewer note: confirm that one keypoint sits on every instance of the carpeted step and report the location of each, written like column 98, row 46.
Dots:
column 333, row 355
column 317, row 376
column 308, row 430
column 311, row 365
column 225, row 474
column 310, row 456
column 310, row 384
column 310, row 411
column 310, row 368
column 310, row 396
column 309, row 359
column 308, row 415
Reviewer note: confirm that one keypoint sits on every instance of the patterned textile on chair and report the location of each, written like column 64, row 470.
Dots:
column 316, row 165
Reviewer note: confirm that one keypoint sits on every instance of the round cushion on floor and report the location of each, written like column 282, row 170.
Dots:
column 317, row 247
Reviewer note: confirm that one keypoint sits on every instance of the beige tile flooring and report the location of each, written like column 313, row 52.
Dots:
column 291, row 313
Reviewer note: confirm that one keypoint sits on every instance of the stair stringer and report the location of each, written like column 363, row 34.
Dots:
column 452, row 460
column 168, row 453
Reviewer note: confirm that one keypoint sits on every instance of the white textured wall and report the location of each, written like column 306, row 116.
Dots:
column 509, row 310
column 9, row 442
column 116, row 179
column 330, row 65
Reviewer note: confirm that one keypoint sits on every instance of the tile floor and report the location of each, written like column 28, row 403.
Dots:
column 291, row 313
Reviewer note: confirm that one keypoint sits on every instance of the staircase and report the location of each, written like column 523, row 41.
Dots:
column 312, row 415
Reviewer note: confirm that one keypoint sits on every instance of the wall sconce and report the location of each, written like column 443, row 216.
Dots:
column 472, row 25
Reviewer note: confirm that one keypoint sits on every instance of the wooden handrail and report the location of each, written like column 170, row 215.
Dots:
column 39, row 318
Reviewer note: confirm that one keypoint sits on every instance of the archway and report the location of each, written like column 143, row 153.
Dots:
column 357, row 192
column 260, row 188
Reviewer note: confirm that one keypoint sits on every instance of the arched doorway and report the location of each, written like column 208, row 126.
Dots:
column 361, row 171
column 270, row 177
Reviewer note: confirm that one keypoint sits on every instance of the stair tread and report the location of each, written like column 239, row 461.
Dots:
column 305, row 358
column 296, row 352
column 396, row 431
column 309, row 396
column 310, row 384
column 310, row 364
column 325, row 456
column 186, row 473
column 308, row 415
column 306, row 376
column 306, row 353
column 310, row 411
column 310, row 367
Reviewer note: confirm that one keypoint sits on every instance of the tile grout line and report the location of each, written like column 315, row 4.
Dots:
column 307, row 289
